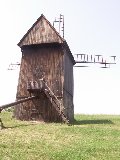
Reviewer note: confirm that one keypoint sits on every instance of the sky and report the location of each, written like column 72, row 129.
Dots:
column 91, row 27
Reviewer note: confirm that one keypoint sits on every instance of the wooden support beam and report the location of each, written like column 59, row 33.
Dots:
column 13, row 104
column 16, row 102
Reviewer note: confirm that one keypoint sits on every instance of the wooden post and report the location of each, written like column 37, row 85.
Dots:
column 2, row 126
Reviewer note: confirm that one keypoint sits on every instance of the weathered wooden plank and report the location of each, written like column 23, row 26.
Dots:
column 37, row 63
column 45, row 55
column 17, row 102
column 41, row 32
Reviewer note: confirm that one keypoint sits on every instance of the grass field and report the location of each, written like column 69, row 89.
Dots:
column 92, row 137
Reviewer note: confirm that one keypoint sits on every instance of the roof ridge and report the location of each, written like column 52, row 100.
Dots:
column 42, row 16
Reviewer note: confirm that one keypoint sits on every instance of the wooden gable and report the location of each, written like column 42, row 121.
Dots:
column 41, row 32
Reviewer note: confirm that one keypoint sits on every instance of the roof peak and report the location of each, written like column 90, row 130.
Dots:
column 41, row 31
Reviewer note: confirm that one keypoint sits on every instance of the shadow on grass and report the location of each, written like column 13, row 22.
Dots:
column 99, row 121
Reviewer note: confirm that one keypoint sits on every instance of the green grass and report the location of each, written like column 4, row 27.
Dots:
column 91, row 137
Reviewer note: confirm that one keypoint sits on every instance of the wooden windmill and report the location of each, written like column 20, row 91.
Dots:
column 46, row 72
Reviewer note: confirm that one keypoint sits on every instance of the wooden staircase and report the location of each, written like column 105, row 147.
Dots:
column 42, row 86
column 55, row 102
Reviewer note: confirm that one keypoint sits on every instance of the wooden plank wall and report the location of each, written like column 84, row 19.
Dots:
column 68, row 87
column 42, row 32
column 40, row 61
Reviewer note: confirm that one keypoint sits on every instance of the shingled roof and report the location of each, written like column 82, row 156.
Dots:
column 41, row 32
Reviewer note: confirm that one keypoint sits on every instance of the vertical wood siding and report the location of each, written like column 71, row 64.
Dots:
column 42, row 32
column 45, row 55
column 68, row 87
column 40, row 62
